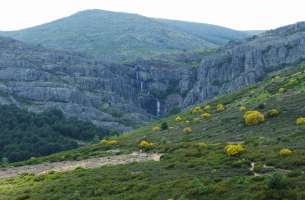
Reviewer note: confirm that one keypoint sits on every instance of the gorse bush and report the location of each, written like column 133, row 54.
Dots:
column 285, row 152
column 300, row 121
column 187, row 130
column 234, row 149
column 197, row 109
column 206, row 115
column 178, row 119
column 273, row 113
column 156, row 128
column 220, row 108
column 109, row 142
column 146, row 145
column 253, row 117
column 243, row 109
column 207, row 108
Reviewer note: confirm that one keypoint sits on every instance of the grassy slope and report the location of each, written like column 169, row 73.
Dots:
column 187, row 170
column 114, row 35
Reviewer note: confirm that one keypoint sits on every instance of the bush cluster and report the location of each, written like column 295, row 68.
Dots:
column 206, row 115
column 178, row 119
column 197, row 109
column 234, row 149
column 273, row 113
column 220, row 108
column 187, row 130
column 156, row 128
column 109, row 142
column 243, row 109
column 285, row 152
column 253, row 117
column 300, row 121
column 146, row 145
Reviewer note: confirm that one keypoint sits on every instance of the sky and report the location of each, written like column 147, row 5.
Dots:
column 236, row 14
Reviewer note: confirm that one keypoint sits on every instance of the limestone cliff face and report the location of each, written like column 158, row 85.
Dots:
column 110, row 95
column 121, row 96
column 242, row 63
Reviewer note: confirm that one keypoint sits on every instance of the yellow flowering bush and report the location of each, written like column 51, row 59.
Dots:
column 220, row 108
column 187, row 130
column 109, row 142
column 197, row 109
column 156, row 128
column 178, row 119
column 234, row 149
column 253, row 117
column 145, row 145
column 207, row 108
column 243, row 109
column 206, row 115
column 285, row 152
column 300, row 121
column 273, row 113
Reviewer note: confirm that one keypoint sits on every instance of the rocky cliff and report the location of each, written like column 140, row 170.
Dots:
column 245, row 62
column 112, row 96
column 119, row 97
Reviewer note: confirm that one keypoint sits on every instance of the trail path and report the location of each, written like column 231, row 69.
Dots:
column 71, row 165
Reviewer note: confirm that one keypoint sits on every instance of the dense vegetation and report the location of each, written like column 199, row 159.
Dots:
column 222, row 156
column 121, row 36
column 25, row 135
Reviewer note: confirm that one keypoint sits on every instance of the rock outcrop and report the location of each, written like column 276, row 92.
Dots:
column 242, row 63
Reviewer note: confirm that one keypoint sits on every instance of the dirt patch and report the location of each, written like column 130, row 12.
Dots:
column 71, row 165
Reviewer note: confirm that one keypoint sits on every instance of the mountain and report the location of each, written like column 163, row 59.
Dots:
column 120, row 36
column 225, row 154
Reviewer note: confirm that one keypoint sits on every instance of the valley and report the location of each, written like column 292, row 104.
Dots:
column 105, row 105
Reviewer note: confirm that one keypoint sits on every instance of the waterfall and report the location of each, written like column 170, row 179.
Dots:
column 141, row 86
column 137, row 76
column 158, row 107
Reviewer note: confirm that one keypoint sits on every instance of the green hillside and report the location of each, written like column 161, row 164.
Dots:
column 195, row 163
column 121, row 36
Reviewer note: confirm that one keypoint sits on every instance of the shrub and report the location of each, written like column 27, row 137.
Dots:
column 187, row 130
column 156, row 129
column 110, row 142
column 146, row 145
column 178, row 119
column 253, row 117
column 285, row 152
column 206, row 115
column 243, row 109
column 282, row 90
column 220, row 108
column 164, row 126
column 273, row 113
column 234, row 149
column 207, row 108
column 197, row 109
column 300, row 121
column 202, row 145
column 276, row 181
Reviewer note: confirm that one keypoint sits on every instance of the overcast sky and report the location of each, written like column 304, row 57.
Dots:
column 237, row 14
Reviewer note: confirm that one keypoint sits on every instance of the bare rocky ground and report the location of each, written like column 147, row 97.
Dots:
column 71, row 165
